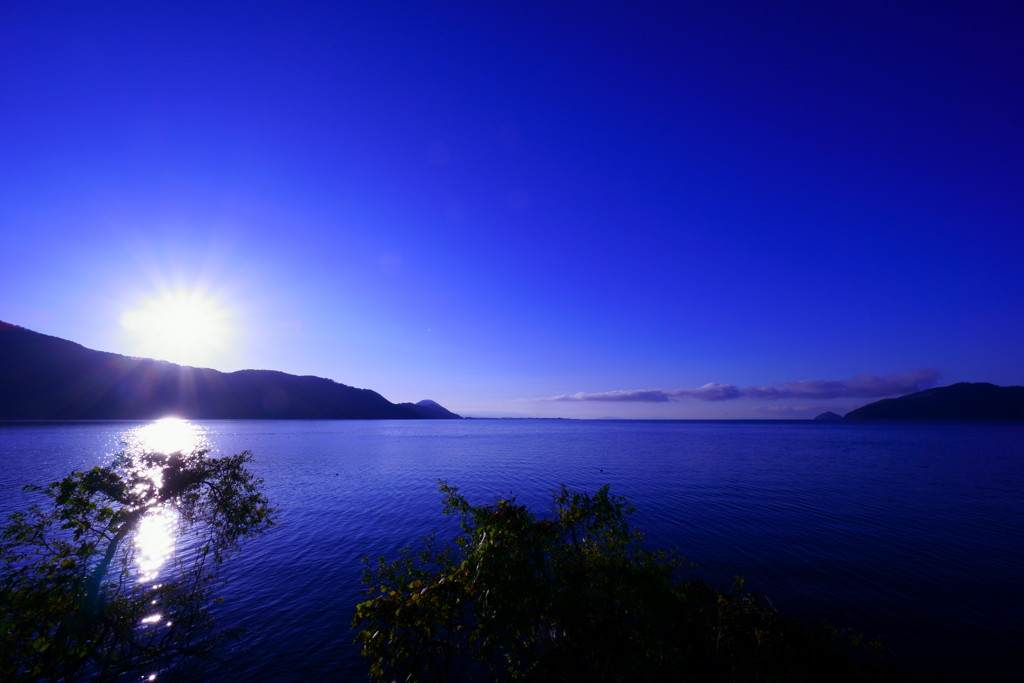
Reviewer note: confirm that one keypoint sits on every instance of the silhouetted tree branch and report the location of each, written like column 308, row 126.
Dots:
column 72, row 602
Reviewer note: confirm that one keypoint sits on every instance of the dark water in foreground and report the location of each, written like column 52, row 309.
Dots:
column 910, row 531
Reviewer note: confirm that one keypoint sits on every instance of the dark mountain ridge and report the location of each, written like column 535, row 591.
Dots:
column 48, row 378
column 962, row 401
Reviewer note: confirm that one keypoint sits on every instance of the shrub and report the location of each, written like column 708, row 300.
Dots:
column 575, row 595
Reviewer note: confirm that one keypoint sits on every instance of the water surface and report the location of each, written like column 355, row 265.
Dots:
column 910, row 531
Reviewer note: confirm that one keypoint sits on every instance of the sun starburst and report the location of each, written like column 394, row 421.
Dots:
column 186, row 326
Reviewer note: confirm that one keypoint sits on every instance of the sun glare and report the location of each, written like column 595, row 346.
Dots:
column 190, row 327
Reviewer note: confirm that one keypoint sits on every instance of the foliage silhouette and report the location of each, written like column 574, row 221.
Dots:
column 576, row 596
column 73, row 604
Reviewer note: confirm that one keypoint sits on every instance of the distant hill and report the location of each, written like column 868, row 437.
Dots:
column 47, row 378
column 431, row 410
column 963, row 401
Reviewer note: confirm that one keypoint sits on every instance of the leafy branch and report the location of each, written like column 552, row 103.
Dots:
column 72, row 602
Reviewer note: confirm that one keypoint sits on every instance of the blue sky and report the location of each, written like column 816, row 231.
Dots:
column 805, row 207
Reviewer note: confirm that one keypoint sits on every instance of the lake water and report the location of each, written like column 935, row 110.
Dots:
column 910, row 531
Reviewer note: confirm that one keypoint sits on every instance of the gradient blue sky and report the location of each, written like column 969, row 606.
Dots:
column 805, row 205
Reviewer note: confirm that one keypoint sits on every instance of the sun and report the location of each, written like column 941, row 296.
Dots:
column 185, row 326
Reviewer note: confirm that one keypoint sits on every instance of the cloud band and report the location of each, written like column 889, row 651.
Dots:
column 860, row 386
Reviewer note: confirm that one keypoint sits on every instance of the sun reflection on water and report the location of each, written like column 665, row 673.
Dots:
column 144, row 457
column 167, row 435
column 154, row 542
column 148, row 447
